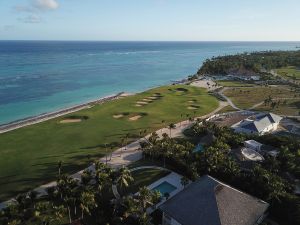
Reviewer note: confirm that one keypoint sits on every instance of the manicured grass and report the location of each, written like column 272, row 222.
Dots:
column 143, row 178
column 29, row 155
column 289, row 108
column 245, row 98
column 228, row 83
column 289, row 72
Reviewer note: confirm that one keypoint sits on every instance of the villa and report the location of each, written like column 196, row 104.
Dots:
column 260, row 125
column 211, row 202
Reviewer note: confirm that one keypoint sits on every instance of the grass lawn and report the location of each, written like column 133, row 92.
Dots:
column 229, row 83
column 290, row 108
column 143, row 178
column 289, row 72
column 29, row 155
column 245, row 98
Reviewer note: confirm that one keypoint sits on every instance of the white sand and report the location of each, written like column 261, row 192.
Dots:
column 71, row 121
column 118, row 116
column 192, row 108
column 134, row 118
column 208, row 84
column 142, row 103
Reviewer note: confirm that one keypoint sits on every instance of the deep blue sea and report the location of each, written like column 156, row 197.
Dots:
column 44, row 76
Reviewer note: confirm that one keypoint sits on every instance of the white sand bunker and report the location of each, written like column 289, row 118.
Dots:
column 147, row 100
column 153, row 98
column 142, row 103
column 192, row 101
column 138, row 105
column 71, row 121
column 134, row 118
column 192, row 107
column 118, row 116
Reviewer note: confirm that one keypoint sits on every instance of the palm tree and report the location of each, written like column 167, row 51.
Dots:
column 184, row 181
column 163, row 123
column 87, row 203
column 123, row 177
column 171, row 126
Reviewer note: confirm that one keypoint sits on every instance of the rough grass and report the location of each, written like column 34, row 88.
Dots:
column 245, row 97
column 289, row 72
column 289, row 108
column 142, row 178
column 228, row 83
column 29, row 155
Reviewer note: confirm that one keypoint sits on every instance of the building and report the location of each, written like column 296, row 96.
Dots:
column 253, row 145
column 260, row 125
column 210, row 202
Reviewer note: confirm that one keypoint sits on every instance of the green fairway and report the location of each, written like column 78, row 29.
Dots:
column 245, row 97
column 29, row 155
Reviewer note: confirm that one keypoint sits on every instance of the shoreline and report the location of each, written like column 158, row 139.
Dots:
column 51, row 115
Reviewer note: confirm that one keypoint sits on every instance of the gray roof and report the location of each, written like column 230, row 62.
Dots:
column 210, row 202
column 272, row 117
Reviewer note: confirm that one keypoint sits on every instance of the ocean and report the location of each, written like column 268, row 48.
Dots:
column 44, row 76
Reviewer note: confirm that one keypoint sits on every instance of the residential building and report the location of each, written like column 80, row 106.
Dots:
column 211, row 202
column 260, row 125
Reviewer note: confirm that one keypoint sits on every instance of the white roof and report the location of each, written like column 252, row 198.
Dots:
column 252, row 155
column 253, row 143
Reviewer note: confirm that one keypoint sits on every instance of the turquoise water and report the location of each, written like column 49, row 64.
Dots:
column 199, row 148
column 40, row 76
column 165, row 187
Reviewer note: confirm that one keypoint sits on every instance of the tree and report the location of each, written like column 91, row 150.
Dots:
column 123, row 177
column 87, row 202
column 184, row 181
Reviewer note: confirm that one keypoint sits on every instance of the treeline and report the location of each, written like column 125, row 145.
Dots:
column 257, row 62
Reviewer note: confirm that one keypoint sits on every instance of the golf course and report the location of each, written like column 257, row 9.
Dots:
column 30, row 155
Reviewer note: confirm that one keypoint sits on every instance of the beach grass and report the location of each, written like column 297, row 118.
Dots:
column 29, row 155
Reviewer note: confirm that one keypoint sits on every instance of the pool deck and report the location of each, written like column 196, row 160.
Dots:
column 172, row 178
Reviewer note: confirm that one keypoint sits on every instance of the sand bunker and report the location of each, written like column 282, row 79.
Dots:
column 153, row 98
column 192, row 101
column 147, row 100
column 118, row 116
column 138, row 105
column 192, row 108
column 135, row 118
column 71, row 121
column 142, row 103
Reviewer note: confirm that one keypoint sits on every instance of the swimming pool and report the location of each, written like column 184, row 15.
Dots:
column 165, row 187
column 198, row 148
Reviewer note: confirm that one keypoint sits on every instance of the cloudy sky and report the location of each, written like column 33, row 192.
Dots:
column 190, row 20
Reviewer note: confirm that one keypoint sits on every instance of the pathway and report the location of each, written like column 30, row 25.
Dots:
column 122, row 157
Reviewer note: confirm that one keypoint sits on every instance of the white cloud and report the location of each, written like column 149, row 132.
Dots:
column 45, row 4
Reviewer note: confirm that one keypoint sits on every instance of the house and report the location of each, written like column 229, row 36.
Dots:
column 211, row 202
column 252, row 144
column 260, row 125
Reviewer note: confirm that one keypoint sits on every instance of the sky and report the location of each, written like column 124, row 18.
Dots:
column 150, row 20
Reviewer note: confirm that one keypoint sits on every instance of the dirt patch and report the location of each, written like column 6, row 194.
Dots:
column 134, row 118
column 118, row 116
column 71, row 121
